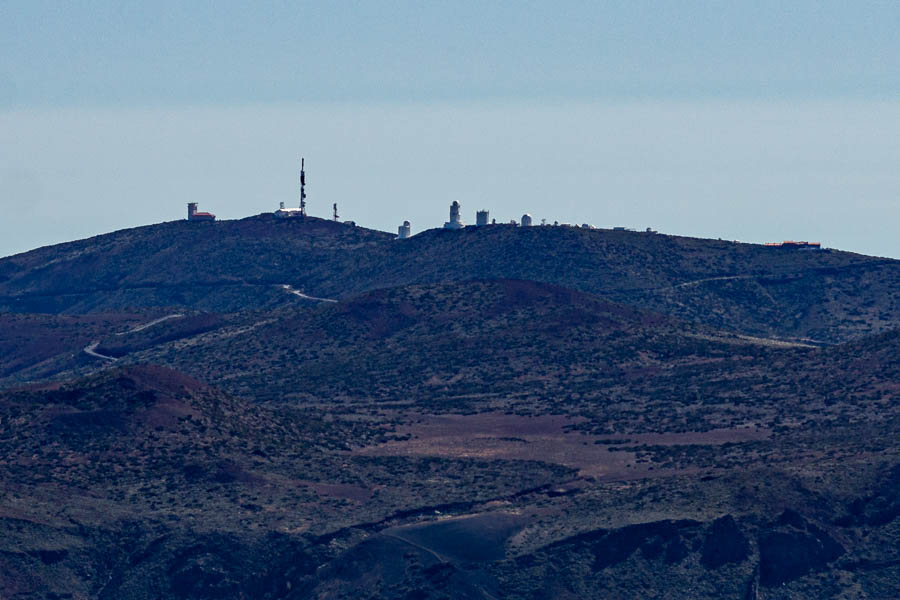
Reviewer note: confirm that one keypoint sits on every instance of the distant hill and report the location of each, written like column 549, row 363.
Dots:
column 307, row 409
column 451, row 346
column 824, row 296
column 222, row 266
column 475, row 346
column 519, row 347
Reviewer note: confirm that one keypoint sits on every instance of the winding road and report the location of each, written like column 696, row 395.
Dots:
column 91, row 349
column 291, row 290
column 151, row 323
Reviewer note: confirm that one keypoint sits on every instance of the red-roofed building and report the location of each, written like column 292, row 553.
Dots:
column 193, row 215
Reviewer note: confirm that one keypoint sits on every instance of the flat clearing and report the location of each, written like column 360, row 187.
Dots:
column 545, row 438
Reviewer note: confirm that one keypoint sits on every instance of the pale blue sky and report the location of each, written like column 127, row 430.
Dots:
column 741, row 120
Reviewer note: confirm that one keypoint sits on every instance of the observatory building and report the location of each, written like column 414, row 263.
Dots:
column 193, row 215
column 482, row 218
column 454, row 222
column 526, row 220
column 404, row 230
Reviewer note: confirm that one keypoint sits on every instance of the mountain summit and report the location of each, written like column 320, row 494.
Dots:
column 225, row 266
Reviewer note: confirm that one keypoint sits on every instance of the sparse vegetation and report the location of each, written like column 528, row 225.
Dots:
column 429, row 437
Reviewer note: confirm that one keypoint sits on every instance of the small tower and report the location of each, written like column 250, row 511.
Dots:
column 403, row 231
column 454, row 222
column 192, row 210
column 526, row 220
column 482, row 217
column 302, row 187
column 335, row 212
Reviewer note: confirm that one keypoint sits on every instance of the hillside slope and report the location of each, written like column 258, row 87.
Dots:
column 826, row 296
column 222, row 266
column 140, row 482
column 528, row 348
column 496, row 344
column 475, row 440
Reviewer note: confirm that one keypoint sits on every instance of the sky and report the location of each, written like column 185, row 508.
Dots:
column 756, row 121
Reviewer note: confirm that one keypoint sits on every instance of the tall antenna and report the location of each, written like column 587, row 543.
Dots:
column 335, row 212
column 302, row 188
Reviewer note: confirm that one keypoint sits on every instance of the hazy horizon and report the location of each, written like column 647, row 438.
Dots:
column 752, row 121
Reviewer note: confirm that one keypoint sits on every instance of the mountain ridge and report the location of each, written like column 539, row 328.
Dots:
column 252, row 263
column 304, row 409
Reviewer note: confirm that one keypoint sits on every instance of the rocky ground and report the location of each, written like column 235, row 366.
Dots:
column 451, row 438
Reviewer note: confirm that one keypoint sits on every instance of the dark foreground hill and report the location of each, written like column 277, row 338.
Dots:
column 260, row 262
column 306, row 409
column 144, row 483
column 481, row 439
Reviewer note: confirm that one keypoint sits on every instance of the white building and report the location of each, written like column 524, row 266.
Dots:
column 455, row 222
column 287, row 213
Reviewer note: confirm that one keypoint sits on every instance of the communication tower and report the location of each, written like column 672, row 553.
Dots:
column 302, row 187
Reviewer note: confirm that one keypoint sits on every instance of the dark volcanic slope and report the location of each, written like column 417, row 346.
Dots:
column 743, row 287
column 232, row 265
column 488, row 439
column 37, row 347
column 522, row 347
column 34, row 346
column 225, row 265
column 468, row 344
column 143, row 483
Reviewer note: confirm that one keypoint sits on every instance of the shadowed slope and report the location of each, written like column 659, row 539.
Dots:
column 222, row 266
column 437, row 343
column 827, row 296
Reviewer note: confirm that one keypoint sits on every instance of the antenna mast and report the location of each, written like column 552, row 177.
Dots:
column 302, row 188
column 335, row 212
